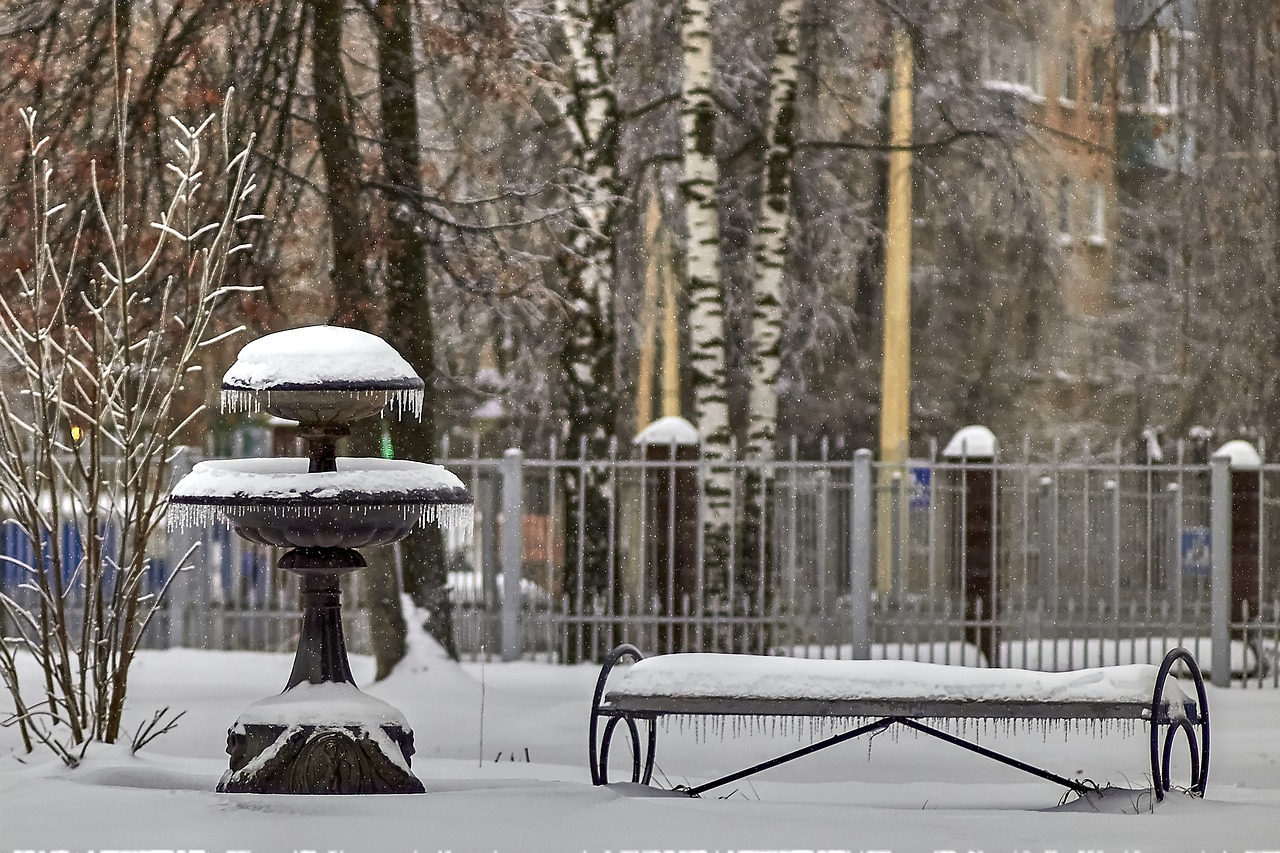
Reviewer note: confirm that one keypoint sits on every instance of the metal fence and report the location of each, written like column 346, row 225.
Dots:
column 1079, row 562
column 1038, row 563
column 21, row 553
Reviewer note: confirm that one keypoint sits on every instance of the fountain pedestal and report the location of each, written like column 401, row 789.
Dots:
column 322, row 735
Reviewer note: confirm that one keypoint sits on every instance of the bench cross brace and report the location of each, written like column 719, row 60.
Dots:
column 1075, row 785
column 878, row 726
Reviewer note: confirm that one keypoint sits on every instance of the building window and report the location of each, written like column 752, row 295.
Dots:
column 1151, row 71
column 1014, row 66
column 1064, row 207
column 1166, row 82
column 1032, row 66
column 1137, row 72
column 1067, row 82
column 1099, row 74
column 1097, row 215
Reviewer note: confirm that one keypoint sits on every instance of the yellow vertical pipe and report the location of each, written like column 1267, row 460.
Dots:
column 670, row 334
column 648, row 315
column 895, row 387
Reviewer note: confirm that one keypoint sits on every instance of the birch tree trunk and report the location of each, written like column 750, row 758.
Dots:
column 772, row 235
column 592, row 122
column 587, row 357
column 702, row 258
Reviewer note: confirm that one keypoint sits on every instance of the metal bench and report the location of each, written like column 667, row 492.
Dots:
column 875, row 695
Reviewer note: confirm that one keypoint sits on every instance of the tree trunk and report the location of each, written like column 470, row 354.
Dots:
column 335, row 131
column 409, row 319
column 353, row 294
column 771, row 241
column 702, row 257
column 771, row 236
column 587, row 357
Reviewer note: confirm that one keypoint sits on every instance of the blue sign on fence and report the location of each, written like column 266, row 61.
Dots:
column 1197, row 551
column 921, row 479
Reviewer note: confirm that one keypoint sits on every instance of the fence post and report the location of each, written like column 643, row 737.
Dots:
column 180, row 542
column 860, row 556
column 1220, row 572
column 975, row 449
column 1246, row 475
column 512, row 552
column 672, row 558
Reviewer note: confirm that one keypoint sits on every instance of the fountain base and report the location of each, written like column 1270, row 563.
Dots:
column 319, row 759
column 322, row 735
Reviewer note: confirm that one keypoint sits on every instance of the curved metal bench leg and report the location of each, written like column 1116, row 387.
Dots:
column 653, row 748
column 598, row 747
column 1184, row 726
column 1174, row 724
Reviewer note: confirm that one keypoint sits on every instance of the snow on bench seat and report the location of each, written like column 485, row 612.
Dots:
column 699, row 683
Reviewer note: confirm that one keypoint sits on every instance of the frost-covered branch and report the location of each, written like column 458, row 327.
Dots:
column 91, row 421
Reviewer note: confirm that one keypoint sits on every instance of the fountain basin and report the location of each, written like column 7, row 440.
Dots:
column 321, row 375
column 327, row 404
column 364, row 503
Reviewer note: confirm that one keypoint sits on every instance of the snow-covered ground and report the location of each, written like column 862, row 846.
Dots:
column 897, row 794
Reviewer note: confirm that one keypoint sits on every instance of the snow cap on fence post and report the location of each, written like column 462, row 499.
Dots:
column 972, row 442
column 667, row 431
column 974, row 566
column 1241, row 455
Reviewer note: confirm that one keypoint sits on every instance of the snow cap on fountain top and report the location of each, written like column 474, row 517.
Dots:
column 320, row 358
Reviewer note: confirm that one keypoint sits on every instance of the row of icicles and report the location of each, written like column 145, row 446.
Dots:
column 704, row 728
column 239, row 400
column 203, row 515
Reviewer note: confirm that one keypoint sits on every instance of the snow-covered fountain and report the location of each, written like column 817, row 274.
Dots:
column 322, row 734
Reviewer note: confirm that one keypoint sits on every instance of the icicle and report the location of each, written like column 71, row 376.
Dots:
column 235, row 400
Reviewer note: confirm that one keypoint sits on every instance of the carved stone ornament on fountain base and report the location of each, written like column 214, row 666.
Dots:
column 322, row 735
column 318, row 760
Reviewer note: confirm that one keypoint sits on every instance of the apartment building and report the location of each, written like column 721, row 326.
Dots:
column 1100, row 89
